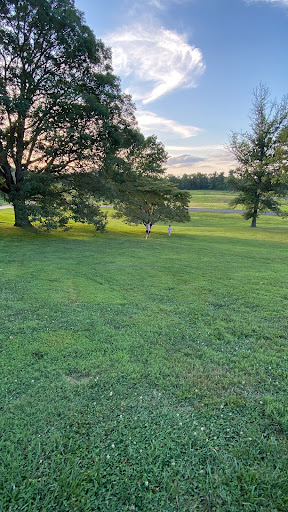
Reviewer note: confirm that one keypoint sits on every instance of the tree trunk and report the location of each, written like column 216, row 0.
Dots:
column 255, row 213
column 21, row 215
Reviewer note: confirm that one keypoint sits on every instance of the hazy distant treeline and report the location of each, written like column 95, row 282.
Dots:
column 199, row 181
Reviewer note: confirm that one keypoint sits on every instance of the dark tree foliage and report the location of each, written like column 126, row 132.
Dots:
column 200, row 181
column 149, row 200
column 148, row 197
column 64, row 122
column 261, row 178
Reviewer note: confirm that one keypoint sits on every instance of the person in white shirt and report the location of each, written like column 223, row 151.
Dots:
column 148, row 230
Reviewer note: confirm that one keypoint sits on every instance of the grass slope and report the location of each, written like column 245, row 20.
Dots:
column 145, row 375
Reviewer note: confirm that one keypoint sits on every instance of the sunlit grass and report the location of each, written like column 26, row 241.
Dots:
column 146, row 375
column 219, row 199
column 210, row 199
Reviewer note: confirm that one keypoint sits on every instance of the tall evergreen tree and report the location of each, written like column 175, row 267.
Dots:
column 261, row 177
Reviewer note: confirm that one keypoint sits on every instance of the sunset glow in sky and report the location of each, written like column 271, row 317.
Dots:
column 191, row 67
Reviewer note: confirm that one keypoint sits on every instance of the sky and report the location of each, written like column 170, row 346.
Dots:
column 192, row 67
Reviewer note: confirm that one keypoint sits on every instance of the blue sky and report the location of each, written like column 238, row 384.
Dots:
column 191, row 67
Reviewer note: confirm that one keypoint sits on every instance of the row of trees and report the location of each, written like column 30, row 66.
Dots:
column 68, row 135
column 200, row 181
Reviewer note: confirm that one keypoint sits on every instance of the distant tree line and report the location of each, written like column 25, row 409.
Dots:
column 200, row 181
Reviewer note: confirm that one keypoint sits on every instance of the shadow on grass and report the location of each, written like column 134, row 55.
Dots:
column 202, row 225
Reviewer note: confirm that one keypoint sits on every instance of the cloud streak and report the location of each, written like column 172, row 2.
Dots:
column 179, row 161
column 157, row 4
column 151, row 123
column 281, row 3
column 154, row 61
column 206, row 149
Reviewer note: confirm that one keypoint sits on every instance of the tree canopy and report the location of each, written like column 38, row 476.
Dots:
column 151, row 200
column 64, row 121
column 261, row 177
column 148, row 197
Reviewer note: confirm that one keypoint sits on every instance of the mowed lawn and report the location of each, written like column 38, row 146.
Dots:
column 145, row 375
column 218, row 199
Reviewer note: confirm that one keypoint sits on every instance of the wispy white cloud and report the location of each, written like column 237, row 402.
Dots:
column 158, row 4
column 176, row 161
column 154, row 61
column 164, row 4
column 151, row 123
column 205, row 149
column 281, row 3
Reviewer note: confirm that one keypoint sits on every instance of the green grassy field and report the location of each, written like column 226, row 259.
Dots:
column 210, row 199
column 218, row 199
column 145, row 375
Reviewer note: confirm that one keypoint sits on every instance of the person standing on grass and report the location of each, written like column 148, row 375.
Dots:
column 169, row 230
column 148, row 230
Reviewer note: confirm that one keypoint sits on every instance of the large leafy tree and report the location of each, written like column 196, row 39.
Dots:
column 260, row 180
column 64, row 122
column 147, row 196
